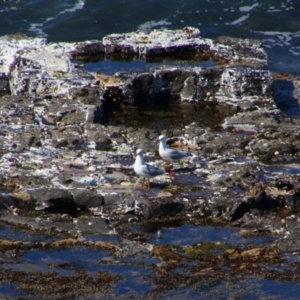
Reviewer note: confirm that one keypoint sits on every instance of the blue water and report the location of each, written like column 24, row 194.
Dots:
column 136, row 272
column 110, row 67
column 91, row 261
column 11, row 234
column 191, row 234
column 80, row 257
column 274, row 22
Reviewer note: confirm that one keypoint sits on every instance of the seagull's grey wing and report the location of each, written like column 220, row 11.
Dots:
column 150, row 170
column 176, row 154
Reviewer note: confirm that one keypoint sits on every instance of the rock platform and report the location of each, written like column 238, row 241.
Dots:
column 68, row 135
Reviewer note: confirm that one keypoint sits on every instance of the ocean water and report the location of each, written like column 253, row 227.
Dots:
column 276, row 23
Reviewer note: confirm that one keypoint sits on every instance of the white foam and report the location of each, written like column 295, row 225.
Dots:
column 270, row 40
column 294, row 52
column 151, row 24
column 49, row 19
column 248, row 8
column 240, row 20
column 37, row 27
column 77, row 6
column 282, row 39
column 274, row 10
column 8, row 9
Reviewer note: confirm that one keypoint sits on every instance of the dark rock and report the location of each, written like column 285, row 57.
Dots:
column 88, row 224
column 4, row 85
column 103, row 144
column 111, row 201
column 262, row 202
column 67, row 137
column 88, row 50
column 171, row 82
column 88, row 199
column 284, row 185
column 239, row 210
column 87, row 95
column 100, row 116
column 11, row 201
column 142, row 86
column 290, row 243
column 160, row 210
column 295, row 202
column 52, row 197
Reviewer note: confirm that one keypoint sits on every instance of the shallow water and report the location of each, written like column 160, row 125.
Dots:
column 110, row 67
column 79, row 20
column 136, row 272
column 13, row 234
column 191, row 234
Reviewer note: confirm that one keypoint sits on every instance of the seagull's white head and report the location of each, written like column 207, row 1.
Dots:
column 139, row 151
column 161, row 138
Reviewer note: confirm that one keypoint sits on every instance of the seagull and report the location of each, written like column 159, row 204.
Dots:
column 169, row 154
column 145, row 170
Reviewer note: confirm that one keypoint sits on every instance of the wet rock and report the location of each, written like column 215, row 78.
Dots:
column 9, row 244
column 68, row 136
column 193, row 84
column 160, row 210
column 181, row 42
column 90, row 49
column 4, row 85
column 14, row 201
column 246, row 80
column 93, row 225
column 239, row 210
column 32, row 77
column 261, row 202
column 88, row 199
column 247, row 47
column 290, row 243
column 111, row 201
column 127, row 248
column 52, row 199
column 65, row 243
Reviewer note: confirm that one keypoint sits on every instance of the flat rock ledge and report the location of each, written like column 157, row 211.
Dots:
column 31, row 67
column 68, row 136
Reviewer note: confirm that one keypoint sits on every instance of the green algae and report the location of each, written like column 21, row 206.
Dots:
column 209, row 248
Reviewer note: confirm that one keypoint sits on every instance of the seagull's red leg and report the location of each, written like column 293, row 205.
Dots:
column 171, row 172
column 170, row 169
column 142, row 184
column 167, row 166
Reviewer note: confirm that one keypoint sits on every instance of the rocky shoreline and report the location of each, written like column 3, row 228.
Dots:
column 68, row 138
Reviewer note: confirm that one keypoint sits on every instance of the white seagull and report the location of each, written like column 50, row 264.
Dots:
column 169, row 154
column 145, row 170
